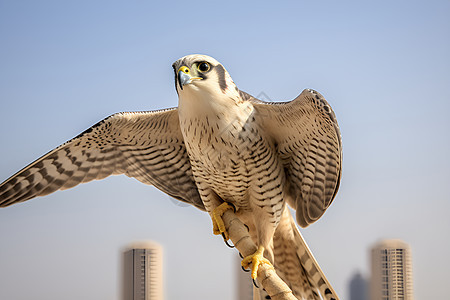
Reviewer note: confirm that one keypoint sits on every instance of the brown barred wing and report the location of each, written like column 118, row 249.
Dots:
column 308, row 141
column 145, row 145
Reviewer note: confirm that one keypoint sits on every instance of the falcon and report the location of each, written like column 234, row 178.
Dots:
column 220, row 149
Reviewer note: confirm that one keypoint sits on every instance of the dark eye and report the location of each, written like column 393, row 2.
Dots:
column 203, row 67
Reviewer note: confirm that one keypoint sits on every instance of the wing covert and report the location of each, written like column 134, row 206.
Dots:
column 145, row 145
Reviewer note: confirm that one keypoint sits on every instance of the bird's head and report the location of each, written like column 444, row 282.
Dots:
column 202, row 74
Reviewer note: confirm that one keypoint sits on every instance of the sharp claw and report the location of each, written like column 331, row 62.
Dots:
column 231, row 246
column 226, row 241
column 254, row 283
column 240, row 255
column 244, row 269
column 256, row 259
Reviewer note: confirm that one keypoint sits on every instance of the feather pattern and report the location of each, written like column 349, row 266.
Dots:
column 295, row 263
column 309, row 144
column 145, row 145
column 308, row 141
column 220, row 144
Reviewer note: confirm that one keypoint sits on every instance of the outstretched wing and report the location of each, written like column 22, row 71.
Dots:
column 145, row 145
column 308, row 140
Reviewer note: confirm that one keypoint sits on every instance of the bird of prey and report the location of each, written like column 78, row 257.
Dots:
column 220, row 149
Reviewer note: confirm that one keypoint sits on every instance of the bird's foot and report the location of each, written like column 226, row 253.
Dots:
column 218, row 224
column 256, row 259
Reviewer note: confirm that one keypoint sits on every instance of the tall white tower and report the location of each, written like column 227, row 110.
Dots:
column 391, row 271
column 142, row 272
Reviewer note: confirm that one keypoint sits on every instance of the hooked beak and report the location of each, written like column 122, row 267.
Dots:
column 184, row 76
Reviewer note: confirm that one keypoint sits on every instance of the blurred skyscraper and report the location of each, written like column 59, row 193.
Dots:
column 244, row 288
column 244, row 283
column 358, row 287
column 142, row 272
column 391, row 271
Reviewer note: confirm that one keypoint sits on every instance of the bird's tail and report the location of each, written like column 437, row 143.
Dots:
column 296, row 265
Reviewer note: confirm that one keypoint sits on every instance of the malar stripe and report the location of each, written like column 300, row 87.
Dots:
column 220, row 70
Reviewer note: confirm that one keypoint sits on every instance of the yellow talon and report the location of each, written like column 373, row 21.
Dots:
column 255, row 259
column 218, row 224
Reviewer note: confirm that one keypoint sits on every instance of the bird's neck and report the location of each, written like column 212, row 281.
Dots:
column 222, row 107
column 218, row 114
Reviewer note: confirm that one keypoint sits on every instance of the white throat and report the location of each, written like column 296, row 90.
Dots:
column 202, row 112
column 194, row 102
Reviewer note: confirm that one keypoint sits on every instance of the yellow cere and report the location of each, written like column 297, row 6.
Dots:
column 184, row 69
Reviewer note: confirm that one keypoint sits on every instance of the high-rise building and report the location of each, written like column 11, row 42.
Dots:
column 358, row 287
column 391, row 271
column 244, row 283
column 142, row 272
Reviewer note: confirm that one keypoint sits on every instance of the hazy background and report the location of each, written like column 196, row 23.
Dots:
column 384, row 67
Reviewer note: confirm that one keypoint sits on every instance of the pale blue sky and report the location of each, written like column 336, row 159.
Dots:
column 384, row 67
